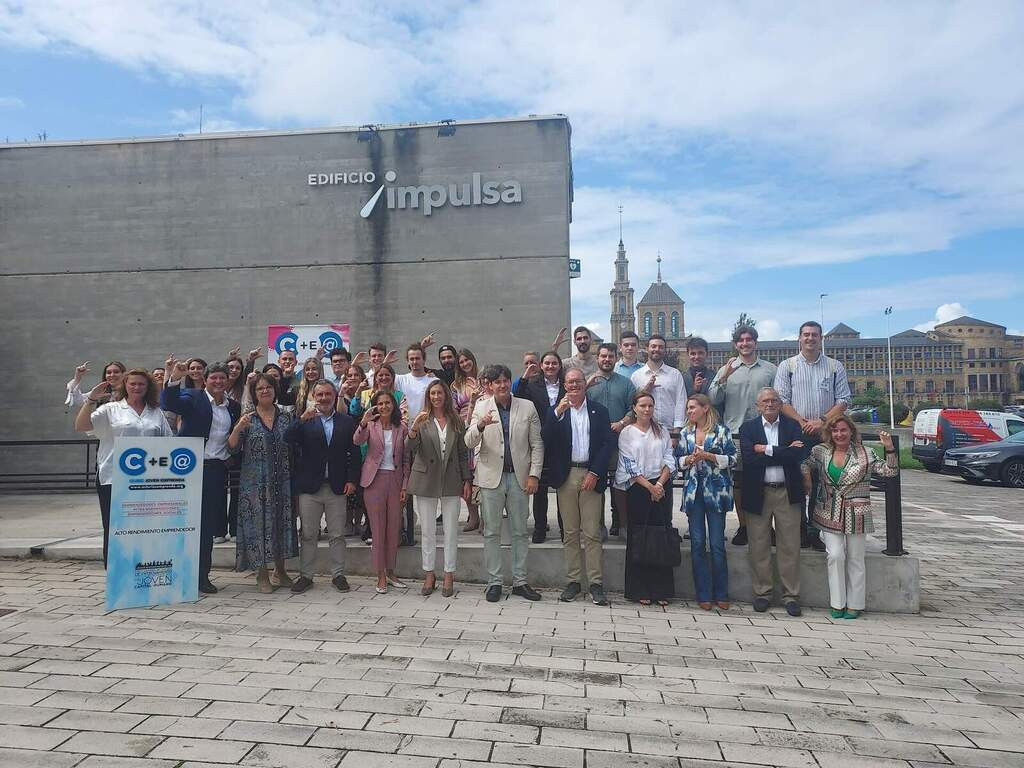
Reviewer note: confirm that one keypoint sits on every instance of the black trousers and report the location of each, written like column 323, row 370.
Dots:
column 230, row 525
column 645, row 582
column 410, row 522
column 215, row 508
column 103, row 493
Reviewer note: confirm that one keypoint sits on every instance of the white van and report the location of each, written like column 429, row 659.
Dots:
column 936, row 430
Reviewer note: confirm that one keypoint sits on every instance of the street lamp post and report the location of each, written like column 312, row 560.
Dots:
column 821, row 314
column 888, row 338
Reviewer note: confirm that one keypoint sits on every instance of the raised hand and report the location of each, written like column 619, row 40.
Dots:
column 244, row 421
column 100, row 391
column 420, row 419
column 651, row 383
column 80, row 371
column 428, row 340
column 562, row 407
column 359, row 359
column 250, row 378
column 255, row 354
column 886, row 439
column 234, row 351
column 309, row 413
column 486, row 420
column 531, row 371
column 560, row 339
column 320, row 353
column 391, row 357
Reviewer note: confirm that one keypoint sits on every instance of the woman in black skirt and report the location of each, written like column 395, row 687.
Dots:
column 645, row 466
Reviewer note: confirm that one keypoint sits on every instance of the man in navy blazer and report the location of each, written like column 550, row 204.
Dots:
column 772, row 446
column 326, row 473
column 577, row 442
column 207, row 413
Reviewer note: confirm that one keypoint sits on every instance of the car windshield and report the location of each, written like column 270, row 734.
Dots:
column 1018, row 438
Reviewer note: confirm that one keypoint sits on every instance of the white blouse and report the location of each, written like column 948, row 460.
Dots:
column 387, row 461
column 442, row 435
column 642, row 453
column 118, row 419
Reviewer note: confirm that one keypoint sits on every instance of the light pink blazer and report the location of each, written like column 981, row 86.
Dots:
column 373, row 435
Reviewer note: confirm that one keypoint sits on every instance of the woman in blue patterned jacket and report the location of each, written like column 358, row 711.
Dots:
column 705, row 455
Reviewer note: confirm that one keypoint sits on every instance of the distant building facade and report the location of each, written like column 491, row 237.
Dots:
column 959, row 361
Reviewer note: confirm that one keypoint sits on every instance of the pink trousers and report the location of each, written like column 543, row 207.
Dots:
column 383, row 504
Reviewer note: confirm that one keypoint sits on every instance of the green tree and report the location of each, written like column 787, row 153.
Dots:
column 985, row 404
column 744, row 319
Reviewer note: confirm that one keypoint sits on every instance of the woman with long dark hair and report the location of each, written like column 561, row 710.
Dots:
column 384, row 476
column 644, row 470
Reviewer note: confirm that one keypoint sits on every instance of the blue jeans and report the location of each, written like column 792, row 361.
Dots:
column 707, row 525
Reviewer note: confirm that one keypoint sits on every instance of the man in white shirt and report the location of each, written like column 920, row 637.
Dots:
column 340, row 361
column 413, row 385
column 665, row 384
column 209, row 414
column 577, row 441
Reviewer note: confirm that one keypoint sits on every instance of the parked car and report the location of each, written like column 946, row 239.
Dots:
column 938, row 430
column 1002, row 461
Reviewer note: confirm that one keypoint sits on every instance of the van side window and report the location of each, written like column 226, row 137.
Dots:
column 1013, row 426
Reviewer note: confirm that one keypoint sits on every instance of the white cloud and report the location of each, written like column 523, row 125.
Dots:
column 11, row 102
column 943, row 314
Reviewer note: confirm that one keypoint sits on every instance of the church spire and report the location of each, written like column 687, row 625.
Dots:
column 620, row 226
column 659, row 266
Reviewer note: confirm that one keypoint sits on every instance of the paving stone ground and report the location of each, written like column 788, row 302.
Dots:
column 357, row 680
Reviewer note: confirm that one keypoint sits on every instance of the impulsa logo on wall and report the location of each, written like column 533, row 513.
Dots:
column 425, row 197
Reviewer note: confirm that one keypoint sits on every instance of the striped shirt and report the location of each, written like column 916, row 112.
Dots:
column 812, row 388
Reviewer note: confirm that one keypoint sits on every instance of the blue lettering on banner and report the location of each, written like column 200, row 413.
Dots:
column 286, row 341
column 330, row 341
column 183, row 461
column 133, row 462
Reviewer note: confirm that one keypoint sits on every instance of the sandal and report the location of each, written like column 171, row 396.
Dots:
column 644, row 601
column 429, row 584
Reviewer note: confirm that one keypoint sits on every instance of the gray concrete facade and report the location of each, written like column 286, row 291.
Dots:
column 135, row 249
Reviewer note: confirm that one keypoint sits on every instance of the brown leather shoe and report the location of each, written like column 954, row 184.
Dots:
column 723, row 605
column 705, row 606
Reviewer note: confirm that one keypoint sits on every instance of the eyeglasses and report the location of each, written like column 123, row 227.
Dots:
column 573, row 383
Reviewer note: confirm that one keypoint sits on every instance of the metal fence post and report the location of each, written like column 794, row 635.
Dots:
column 894, row 510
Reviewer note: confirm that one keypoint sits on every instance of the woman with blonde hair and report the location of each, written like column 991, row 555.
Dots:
column 312, row 372
column 842, row 509
column 705, row 454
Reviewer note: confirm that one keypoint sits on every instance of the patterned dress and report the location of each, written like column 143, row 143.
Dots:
column 266, row 527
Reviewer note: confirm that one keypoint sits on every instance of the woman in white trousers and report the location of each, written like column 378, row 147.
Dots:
column 842, row 509
column 440, row 477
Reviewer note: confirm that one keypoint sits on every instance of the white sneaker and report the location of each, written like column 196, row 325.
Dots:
column 219, row 540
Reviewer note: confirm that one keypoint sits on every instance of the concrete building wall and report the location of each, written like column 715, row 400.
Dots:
column 136, row 249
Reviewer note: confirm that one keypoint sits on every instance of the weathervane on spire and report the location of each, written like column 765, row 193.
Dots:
column 620, row 225
column 659, row 266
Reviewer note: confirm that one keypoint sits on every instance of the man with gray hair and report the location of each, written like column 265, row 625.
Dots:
column 326, row 473
column 772, row 446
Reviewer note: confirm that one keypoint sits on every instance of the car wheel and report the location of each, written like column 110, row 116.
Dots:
column 1013, row 473
column 937, row 468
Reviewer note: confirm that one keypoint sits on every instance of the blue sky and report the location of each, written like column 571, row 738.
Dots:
column 872, row 152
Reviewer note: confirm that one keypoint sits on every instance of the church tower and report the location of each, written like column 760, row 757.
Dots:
column 623, row 317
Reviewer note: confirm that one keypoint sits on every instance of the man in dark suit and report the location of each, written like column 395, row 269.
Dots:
column 326, row 473
column 772, row 446
column 544, row 388
column 577, row 441
column 207, row 413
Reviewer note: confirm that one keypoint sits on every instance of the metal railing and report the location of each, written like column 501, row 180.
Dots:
column 19, row 454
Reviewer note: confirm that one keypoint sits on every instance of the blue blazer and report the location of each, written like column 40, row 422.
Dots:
column 717, row 480
column 193, row 405
column 754, row 464
column 339, row 461
column 557, row 435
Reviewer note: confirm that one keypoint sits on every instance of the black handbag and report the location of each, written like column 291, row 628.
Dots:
column 656, row 546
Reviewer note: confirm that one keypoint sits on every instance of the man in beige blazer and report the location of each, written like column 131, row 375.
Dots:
column 505, row 431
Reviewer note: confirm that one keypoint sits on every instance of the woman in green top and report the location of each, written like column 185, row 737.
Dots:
column 842, row 508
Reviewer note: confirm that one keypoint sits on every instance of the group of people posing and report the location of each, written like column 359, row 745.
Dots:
column 366, row 442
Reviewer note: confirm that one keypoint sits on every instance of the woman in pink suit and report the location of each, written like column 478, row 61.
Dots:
column 384, row 476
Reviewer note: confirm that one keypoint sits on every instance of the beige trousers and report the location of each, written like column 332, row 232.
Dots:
column 787, row 540
column 581, row 513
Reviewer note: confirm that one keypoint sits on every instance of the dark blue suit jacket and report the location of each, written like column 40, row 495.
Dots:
column 754, row 464
column 340, row 460
column 193, row 405
column 557, row 434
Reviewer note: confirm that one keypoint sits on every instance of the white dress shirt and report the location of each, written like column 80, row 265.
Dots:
column 217, row 443
column 415, row 390
column 579, row 420
column 642, row 453
column 774, row 474
column 552, row 391
column 328, row 422
column 669, row 393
